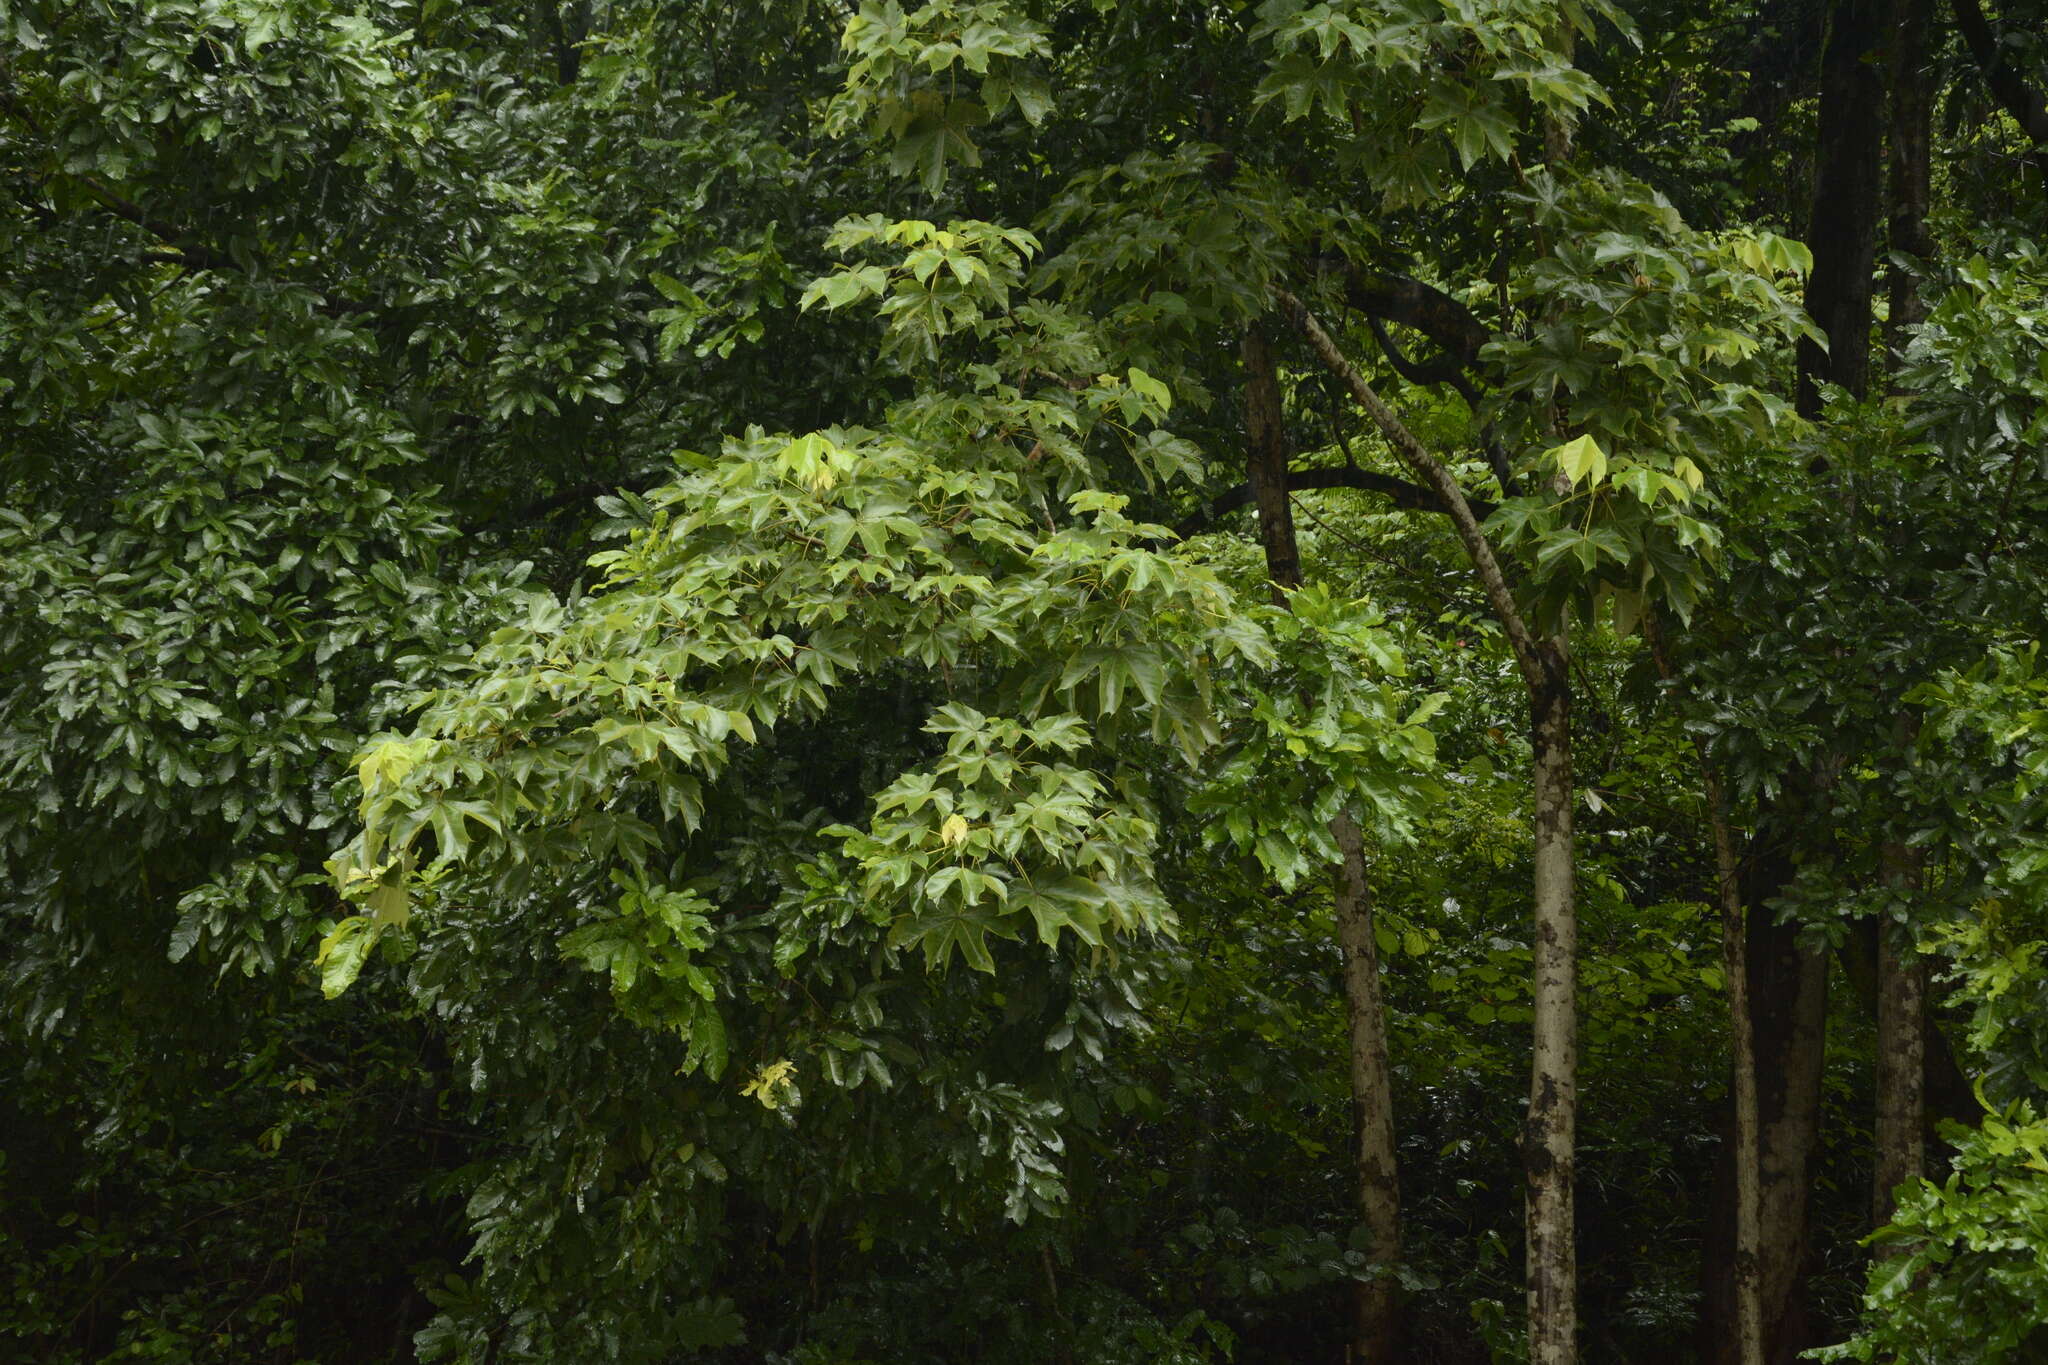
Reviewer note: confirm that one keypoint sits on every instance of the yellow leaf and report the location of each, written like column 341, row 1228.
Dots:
column 954, row 831
column 770, row 1083
column 1689, row 472
column 1581, row 458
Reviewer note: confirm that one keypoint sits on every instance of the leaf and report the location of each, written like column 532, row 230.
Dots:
column 1580, row 458
column 1160, row 396
column 772, row 1084
column 343, row 952
column 185, row 937
column 708, row 1041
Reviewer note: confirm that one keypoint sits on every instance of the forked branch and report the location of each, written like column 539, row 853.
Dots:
column 1436, row 476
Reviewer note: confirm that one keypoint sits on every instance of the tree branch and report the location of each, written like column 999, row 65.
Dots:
column 1529, row 655
column 2021, row 100
column 1387, row 297
column 184, row 253
column 1445, row 370
column 1413, row 497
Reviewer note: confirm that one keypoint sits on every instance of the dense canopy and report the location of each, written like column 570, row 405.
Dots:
column 1022, row 680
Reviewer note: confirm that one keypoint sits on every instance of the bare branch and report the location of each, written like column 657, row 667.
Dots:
column 1529, row 655
column 1412, row 497
column 1387, row 297
column 2021, row 100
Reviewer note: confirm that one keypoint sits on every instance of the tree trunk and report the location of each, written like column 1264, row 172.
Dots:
column 1376, row 1335
column 1788, row 992
column 1550, row 1136
column 1787, row 998
column 1847, row 184
column 1912, row 114
column 1901, row 976
column 1376, row 1325
column 1544, row 663
column 1788, row 980
column 1265, row 433
column 1746, row 1346
column 1901, row 1023
column 1743, row 1270
column 1901, row 1069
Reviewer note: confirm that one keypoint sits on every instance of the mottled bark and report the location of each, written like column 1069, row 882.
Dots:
column 1901, row 985
column 1744, row 1275
column 1549, row 1141
column 1745, row 1346
column 1788, row 995
column 1901, row 1045
column 1946, row 1089
column 1788, row 979
column 1377, row 1307
column 1552, row 1120
column 1376, row 1335
column 1901, row 1071
column 1788, row 991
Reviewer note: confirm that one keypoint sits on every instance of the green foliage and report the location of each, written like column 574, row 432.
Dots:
column 1963, row 1257
column 485, row 882
column 1658, row 341
column 1417, row 83
column 1329, row 732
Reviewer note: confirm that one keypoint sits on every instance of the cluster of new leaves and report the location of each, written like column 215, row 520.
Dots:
column 1001, row 368
column 991, row 832
column 1656, row 341
column 950, row 280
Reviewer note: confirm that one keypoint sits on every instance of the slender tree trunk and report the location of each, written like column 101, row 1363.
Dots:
column 1901, row 1069
column 1901, row 1026
column 1550, row 1138
column 1376, row 1326
column 1749, row 1313
column 1945, row 1090
column 1747, row 1347
column 1551, row 1133
column 1376, row 1335
column 1901, row 976
column 1788, row 992
column 1788, row 980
